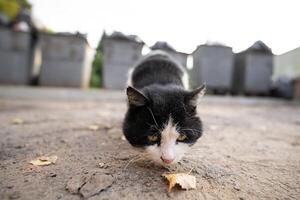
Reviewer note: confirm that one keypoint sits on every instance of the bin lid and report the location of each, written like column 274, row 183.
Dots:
column 260, row 47
column 164, row 46
column 160, row 45
column 117, row 35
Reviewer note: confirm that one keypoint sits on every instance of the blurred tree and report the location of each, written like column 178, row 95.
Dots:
column 45, row 29
column 96, row 76
column 25, row 4
column 11, row 8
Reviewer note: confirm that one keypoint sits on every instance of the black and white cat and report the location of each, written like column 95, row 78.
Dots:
column 161, row 117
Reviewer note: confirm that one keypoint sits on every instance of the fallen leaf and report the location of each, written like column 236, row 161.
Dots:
column 17, row 121
column 44, row 160
column 185, row 181
column 93, row 127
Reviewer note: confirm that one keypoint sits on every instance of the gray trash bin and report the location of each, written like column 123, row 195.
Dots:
column 120, row 53
column 66, row 60
column 253, row 70
column 213, row 65
column 178, row 56
column 15, row 57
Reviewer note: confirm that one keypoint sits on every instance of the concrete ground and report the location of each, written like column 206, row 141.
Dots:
column 250, row 149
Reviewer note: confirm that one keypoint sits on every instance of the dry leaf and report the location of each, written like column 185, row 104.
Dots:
column 17, row 121
column 93, row 127
column 44, row 160
column 185, row 181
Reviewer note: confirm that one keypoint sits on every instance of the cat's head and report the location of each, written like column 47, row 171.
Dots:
column 162, row 121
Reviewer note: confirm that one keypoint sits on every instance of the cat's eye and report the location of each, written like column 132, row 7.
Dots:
column 153, row 138
column 181, row 137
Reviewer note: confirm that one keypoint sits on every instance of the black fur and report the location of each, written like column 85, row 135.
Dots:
column 158, row 94
column 157, row 69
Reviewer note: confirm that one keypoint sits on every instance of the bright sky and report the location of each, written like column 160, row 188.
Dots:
column 184, row 24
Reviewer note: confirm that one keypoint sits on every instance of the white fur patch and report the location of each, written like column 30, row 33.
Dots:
column 185, row 80
column 129, row 77
column 168, row 148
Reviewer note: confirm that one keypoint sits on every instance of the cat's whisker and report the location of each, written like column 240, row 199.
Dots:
column 189, row 165
column 134, row 159
column 189, row 129
column 157, row 128
column 191, row 170
column 177, row 128
column 193, row 130
column 152, row 126
column 152, row 116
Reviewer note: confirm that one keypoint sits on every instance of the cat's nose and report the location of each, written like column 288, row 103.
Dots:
column 167, row 161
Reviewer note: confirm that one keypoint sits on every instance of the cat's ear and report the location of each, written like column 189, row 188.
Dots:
column 194, row 96
column 135, row 97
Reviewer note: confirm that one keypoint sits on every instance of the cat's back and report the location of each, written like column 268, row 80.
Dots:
column 157, row 68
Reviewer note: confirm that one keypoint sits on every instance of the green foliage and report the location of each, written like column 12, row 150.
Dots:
column 96, row 76
column 24, row 4
column 11, row 8
column 46, row 30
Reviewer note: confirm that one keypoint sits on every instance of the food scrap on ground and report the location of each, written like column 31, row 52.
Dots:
column 93, row 127
column 185, row 181
column 17, row 121
column 44, row 160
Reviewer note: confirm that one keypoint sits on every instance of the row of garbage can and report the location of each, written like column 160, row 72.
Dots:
column 247, row 72
column 65, row 60
column 51, row 60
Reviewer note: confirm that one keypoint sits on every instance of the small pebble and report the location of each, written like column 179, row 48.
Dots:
column 101, row 165
column 148, row 184
column 236, row 188
column 52, row 175
column 14, row 195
